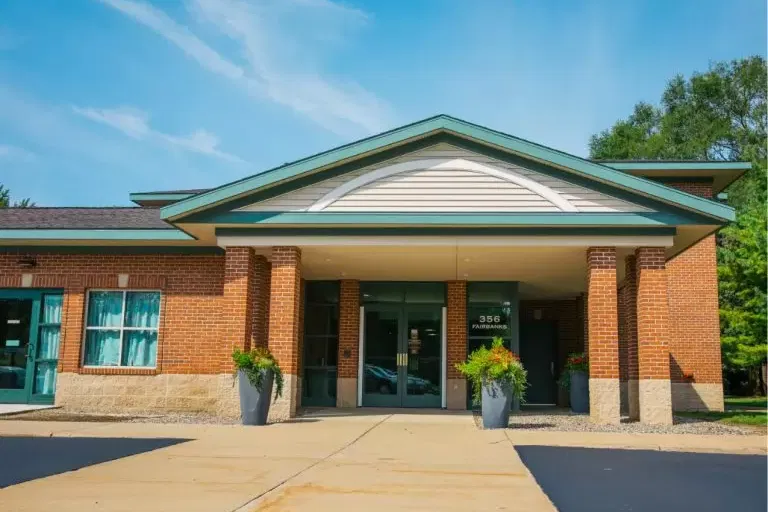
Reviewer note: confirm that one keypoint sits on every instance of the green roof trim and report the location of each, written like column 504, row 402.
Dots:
column 457, row 219
column 676, row 166
column 162, row 196
column 449, row 231
column 574, row 164
column 95, row 234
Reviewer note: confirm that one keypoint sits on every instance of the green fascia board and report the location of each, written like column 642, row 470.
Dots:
column 469, row 219
column 94, row 234
column 449, row 231
column 532, row 150
column 139, row 197
column 113, row 249
column 676, row 166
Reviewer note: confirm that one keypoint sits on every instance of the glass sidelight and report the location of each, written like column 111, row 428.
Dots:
column 382, row 356
column 423, row 350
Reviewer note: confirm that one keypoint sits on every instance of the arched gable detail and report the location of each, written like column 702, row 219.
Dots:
column 438, row 164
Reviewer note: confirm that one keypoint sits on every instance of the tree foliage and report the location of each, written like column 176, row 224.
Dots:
column 5, row 200
column 716, row 115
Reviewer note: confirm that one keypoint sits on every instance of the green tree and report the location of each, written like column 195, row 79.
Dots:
column 716, row 115
column 5, row 200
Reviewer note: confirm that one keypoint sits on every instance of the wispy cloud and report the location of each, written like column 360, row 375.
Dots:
column 279, row 40
column 135, row 124
column 15, row 153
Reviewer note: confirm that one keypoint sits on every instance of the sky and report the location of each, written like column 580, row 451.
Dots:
column 100, row 98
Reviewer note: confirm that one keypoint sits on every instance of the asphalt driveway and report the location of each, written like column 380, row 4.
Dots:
column 28, row 458
column 596, row 480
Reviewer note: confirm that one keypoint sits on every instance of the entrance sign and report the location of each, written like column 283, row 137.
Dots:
column 488, row 321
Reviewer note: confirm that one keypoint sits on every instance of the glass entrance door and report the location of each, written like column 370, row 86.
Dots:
column 17, row 345
column 402, row 356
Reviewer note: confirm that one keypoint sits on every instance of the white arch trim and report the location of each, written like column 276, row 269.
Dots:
column 456, row 164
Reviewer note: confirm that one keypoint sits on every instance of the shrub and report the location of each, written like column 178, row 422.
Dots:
column 576, row 362
column 254, row 362
column 495, row 364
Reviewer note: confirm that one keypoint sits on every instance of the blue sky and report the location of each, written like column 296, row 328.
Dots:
column 99, row 98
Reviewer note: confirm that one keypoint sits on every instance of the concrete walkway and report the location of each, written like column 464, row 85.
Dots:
column 368, row 461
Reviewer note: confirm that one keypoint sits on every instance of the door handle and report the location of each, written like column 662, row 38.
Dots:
column 552, row 367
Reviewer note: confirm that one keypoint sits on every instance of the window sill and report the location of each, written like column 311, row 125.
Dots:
column 117, row 370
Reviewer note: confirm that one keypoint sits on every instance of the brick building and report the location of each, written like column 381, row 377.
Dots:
column 370, row 270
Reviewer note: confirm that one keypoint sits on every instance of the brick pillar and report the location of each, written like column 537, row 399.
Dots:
column 283, row 340
column 349, row 343
column 630, row 298
column 237, row 304
column 456, row 341
column 602, row 326
column 655, row 389
column 261, row 278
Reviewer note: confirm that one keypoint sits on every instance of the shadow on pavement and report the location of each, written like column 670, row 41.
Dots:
column 595, row 480
column 28, row 458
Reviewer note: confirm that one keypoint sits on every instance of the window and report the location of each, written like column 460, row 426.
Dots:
column 121, row 328
column 321, row 343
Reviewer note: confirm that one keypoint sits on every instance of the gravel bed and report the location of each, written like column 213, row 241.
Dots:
column 569, row 422
column 61, row 414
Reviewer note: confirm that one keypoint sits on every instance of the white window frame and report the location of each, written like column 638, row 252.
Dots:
column 122, row 327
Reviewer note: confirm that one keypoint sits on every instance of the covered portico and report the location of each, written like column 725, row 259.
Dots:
column 582, row 267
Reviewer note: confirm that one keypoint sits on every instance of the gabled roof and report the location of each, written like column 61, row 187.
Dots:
column 443, row 123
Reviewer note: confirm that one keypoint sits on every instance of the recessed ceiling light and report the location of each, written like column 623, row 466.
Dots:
column 343, row 274
column 466, row 275
column 327, row 260
column 466, row 260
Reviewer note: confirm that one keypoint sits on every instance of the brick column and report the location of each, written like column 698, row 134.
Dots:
column 655, row 389
column 456, row 340
column 283, row 340
column 602, row 326
column 237, row 304
column 349, row 343
column 630, row 297
column 261, row 278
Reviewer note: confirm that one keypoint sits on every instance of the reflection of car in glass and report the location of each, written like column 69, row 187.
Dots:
column 419, row 386
column 380, row 380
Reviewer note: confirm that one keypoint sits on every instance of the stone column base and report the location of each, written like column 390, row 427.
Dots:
column 285, row 407
column 456, row 394
column 604, row 401
column 655, row 401
column 346, row 392
column 693, row 396
column 633, row 399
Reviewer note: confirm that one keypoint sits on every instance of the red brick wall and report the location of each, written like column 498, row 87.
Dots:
column 192, row 288
column 652, row 313
column 623, row 342
column 237, row 303
column 456, row 335
column 602, row 314
column 349, row 328
column 630, row 316
column 693, row 307
column 284, row 307
column 261, row 282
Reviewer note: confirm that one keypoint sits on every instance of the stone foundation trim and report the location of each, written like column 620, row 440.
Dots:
column 693, row 396
column 149, row 394
column 604, row 401
column 655, row 401
column 284, row 408
column 633, row 399
column 346, row 392
column 456, row 395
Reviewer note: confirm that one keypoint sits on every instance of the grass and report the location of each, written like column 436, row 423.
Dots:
column 736, row 402
column 752, row 411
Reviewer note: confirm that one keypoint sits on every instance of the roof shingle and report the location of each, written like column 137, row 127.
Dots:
column 82, row 218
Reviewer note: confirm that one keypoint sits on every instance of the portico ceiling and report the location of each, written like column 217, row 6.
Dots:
column 543, row 272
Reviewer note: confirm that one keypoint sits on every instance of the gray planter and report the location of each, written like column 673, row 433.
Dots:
column 496, row 402
column 254, row 404
column 579, row 392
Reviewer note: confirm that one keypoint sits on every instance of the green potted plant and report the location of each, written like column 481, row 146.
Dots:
column 497, row 377
column 257, row 369
column 575, row 379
